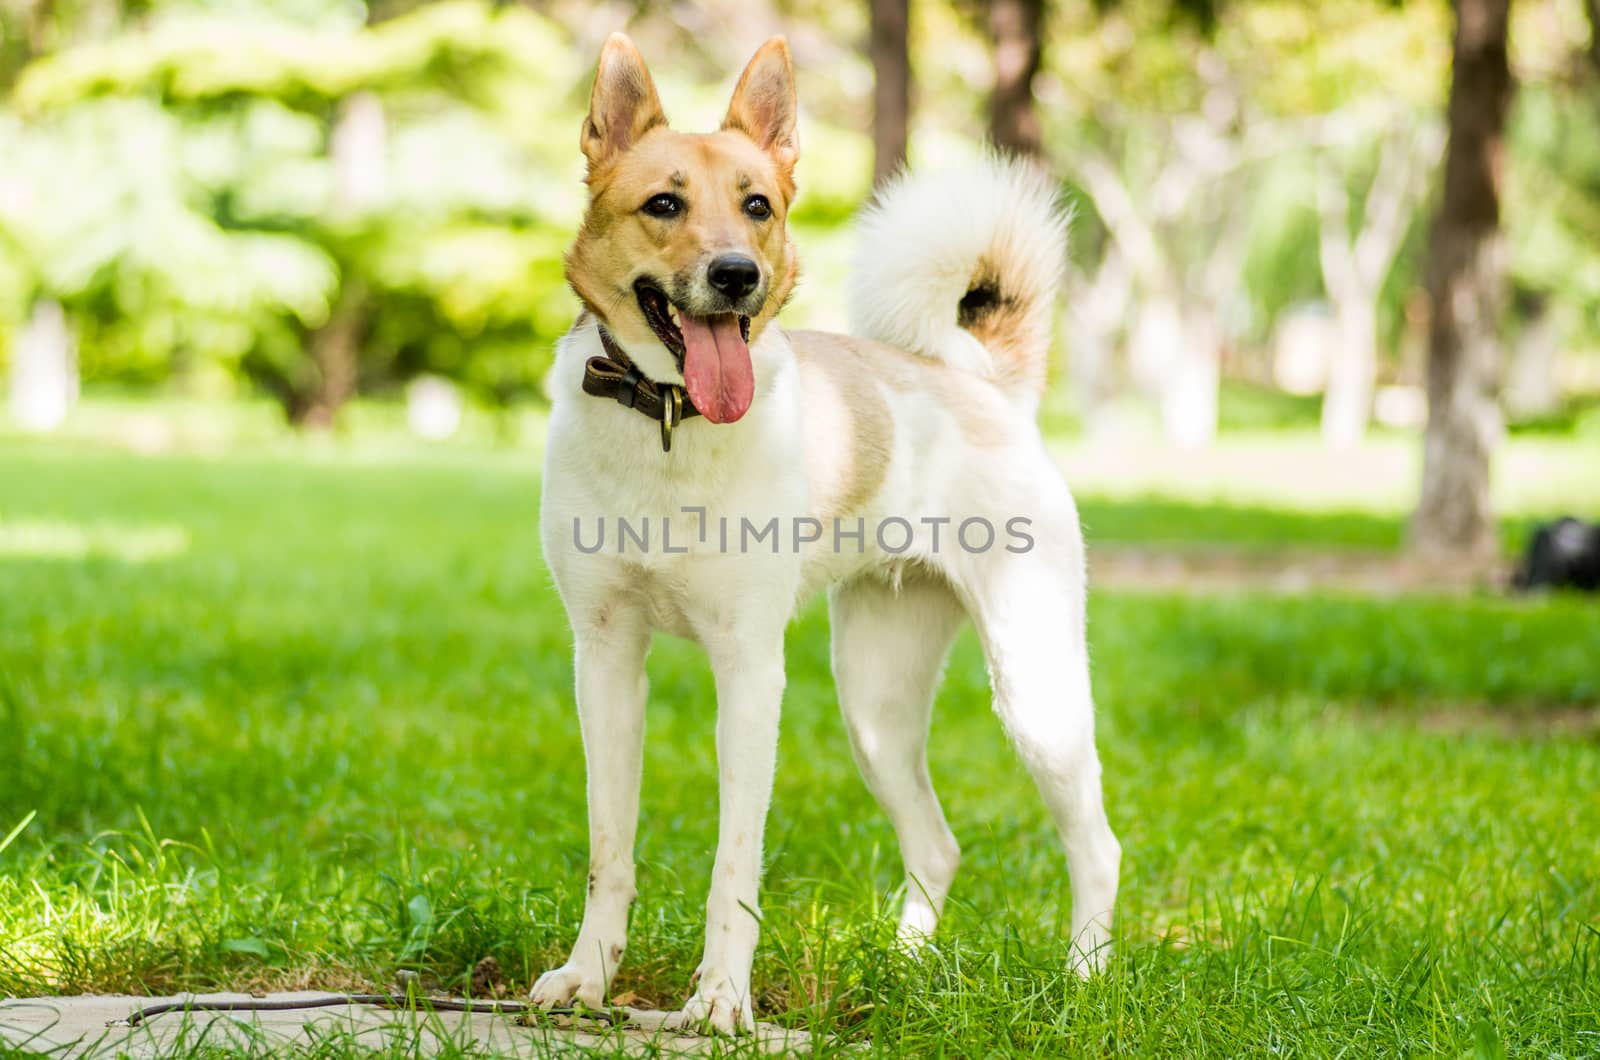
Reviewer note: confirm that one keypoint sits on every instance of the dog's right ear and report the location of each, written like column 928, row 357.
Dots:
column 623, row 104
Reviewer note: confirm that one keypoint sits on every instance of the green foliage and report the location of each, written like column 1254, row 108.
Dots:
column 207, row 239
column 1316, row 58
column 206, row 232
column 167, row 167
column 1282, row 269
column 1251, row 407
column 147, row 274
column 1287, row 57
column 1553, row 198
column 465, row 46
column 1578, row 416
column 1126, row 75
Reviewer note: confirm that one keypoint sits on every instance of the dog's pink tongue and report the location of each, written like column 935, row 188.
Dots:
column 716, row 366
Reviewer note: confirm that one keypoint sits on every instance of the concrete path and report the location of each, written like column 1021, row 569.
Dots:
column 72, row 1027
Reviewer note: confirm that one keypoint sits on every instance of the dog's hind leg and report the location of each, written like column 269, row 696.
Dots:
column 889, row 647
column 1029, row 612
column 612, row 638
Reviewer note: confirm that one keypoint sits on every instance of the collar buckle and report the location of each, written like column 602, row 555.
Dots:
column 671, row 414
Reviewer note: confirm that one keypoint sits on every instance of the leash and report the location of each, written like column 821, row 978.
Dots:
column 527, row 1014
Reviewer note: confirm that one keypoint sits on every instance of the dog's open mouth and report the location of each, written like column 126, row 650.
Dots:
column 713, row 350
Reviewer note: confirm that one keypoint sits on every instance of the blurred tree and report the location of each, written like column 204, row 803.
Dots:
column 1096, row 314
column 204, row 238
column 313, row 206
column 44, row 376
column 383, row 10
column 1551, row 211
column 1466, row 285
column 890, row 49
column 1169, row 191
column 1355, row 265
column 1015, row 29
column 1194, row 138
column 1592, row 9
column 1531, row 388
column 1552, row 225
column 314, row 394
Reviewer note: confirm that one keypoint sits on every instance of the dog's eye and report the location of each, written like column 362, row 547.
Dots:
column 663, row 205
column 758, row 207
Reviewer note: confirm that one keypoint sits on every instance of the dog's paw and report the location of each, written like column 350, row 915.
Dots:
column 914, row 945
column 1089, row 955
column 718, row 1006
column 917, row 924
column 567, row 984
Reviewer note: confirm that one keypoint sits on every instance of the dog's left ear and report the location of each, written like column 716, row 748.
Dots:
column 763, row 106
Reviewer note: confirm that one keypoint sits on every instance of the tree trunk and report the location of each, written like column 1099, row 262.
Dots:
column 41, row 19
column 1095, row 319
column 1173, row 350
column 1354, row 268
column 1593, row 8
column 1190, row 398
column 890, row 51
column 44, row 369
column 1466, row 285
column 336, row 353
column 1532, row 386
column 1352, row 373
column 358, row 145
column 1014, row 26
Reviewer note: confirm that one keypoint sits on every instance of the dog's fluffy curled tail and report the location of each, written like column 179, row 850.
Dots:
column 963, row 267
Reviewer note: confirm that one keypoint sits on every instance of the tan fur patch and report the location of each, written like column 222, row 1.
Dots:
column 849, row 430
column 979, row 408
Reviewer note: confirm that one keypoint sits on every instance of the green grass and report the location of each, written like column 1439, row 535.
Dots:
column 1167, row 522
column 302, row 717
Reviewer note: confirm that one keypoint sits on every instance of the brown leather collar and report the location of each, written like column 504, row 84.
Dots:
column 615, row 376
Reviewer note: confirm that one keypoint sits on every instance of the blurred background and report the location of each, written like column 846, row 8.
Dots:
column 227, row 221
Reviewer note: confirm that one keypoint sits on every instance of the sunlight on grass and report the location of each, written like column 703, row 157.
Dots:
column 320, row 743
column 54, row 539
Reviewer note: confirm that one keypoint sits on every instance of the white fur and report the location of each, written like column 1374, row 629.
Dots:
column 894, row 615
column 922, row 242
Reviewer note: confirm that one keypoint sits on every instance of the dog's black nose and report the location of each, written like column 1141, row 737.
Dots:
column 734, row 275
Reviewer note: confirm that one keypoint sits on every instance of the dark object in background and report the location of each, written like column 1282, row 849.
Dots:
column 1564, row 554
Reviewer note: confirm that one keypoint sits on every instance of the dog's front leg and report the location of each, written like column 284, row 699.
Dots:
column 611, row 642
column 748, row 666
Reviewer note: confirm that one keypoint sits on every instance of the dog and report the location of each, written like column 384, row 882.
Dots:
column 683, row 413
